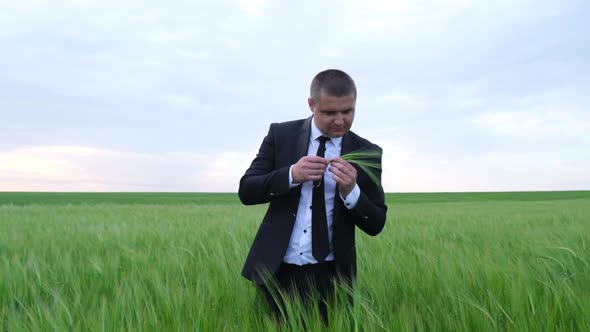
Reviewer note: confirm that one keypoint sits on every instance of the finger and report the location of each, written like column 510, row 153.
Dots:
column 344, row 168
column 344, row 177
column 347, row 169
column 338, row 164
column 317, row 172
column 337, row 179
column 314, row 177
column 322, row 164
column 319, row 160
column 342, row 162
column 312, row 160
column 340, row 181
column 315, row 167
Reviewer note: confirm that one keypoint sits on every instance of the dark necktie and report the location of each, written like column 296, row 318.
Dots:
column 320, row 243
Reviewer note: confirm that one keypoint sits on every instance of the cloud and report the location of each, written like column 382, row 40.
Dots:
column 448, row 87
column 406, row 170
column 180, row 101
column 552, row 115
column 78, row 168
column 253, row 7
column 400, row 99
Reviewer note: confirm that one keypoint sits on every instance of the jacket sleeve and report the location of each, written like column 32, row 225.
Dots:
column 263, row 181
column 370, row 212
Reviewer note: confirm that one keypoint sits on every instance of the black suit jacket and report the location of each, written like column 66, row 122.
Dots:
column 267, row 181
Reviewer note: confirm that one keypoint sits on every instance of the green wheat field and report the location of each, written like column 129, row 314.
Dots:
column 171, row 262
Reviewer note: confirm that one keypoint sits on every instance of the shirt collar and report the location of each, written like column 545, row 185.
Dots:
column 315, row 133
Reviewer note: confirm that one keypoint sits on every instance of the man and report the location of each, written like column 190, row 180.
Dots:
column 317, row 199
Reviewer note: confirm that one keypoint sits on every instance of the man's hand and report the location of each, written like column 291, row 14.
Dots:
column 309, row 168
column 344, row 174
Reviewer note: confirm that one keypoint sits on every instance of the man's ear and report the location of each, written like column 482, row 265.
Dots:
column 310, row 103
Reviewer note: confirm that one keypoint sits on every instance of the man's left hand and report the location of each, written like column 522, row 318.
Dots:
column 344, row 174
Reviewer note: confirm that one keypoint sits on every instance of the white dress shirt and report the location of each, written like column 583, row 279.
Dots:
column 299, row 250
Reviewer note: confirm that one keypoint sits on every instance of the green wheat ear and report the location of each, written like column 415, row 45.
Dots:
column 365, row 160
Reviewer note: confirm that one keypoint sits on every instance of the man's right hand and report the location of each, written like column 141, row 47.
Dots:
column 309, row 168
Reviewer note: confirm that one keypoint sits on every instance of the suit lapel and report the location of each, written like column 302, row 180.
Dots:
column 346, row 144
column 301, row 145
column 302, row 140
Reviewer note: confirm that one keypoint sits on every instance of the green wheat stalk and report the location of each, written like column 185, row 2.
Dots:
column 365, row 159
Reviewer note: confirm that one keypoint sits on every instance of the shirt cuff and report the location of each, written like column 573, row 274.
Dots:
column 291, row 184
column 352, row 198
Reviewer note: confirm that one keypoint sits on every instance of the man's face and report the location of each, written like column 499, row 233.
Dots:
column 333, row 115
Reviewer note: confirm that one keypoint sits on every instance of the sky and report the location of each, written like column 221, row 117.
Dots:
column 146, row 95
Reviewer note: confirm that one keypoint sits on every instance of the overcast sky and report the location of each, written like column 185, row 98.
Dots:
column 177, row 95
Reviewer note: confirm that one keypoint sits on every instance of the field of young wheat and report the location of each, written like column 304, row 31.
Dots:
column 172, row 262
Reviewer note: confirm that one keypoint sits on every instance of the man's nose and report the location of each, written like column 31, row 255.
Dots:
column 339, row 120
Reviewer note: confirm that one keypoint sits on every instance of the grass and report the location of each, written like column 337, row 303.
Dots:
column 153, row 262
column 149, row 198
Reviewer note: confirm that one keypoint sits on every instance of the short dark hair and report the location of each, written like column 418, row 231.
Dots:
column 333, row 82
